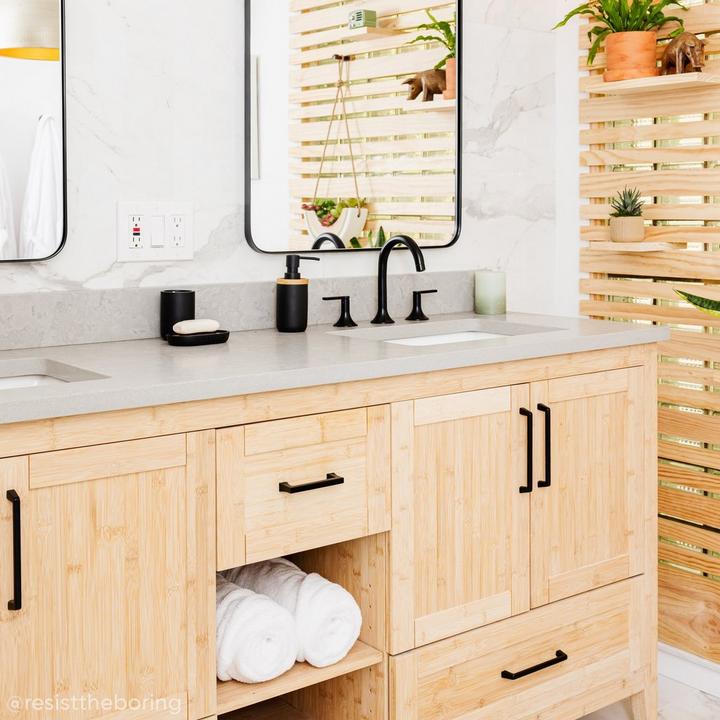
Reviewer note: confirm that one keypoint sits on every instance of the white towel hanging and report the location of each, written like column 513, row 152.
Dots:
column 43, row 220
column 8, row 240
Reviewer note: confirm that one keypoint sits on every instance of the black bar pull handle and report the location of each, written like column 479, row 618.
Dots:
column 560, row 657
column 547, row 482
column 530, row 442
column 16, row 603
column 331, row 480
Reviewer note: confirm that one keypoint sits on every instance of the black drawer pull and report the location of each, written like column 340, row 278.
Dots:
column 530, row 442
column 560, row 657
column 331, row 480
column 16, row 603
column 547, row 482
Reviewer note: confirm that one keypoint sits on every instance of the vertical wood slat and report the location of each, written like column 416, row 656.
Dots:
column 667, row 144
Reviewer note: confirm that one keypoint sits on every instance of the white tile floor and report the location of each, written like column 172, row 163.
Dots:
column 677, row 702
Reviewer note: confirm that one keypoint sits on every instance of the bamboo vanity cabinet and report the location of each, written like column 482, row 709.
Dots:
column 496, row 524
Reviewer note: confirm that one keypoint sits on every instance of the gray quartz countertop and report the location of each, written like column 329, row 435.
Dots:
column 142, row 373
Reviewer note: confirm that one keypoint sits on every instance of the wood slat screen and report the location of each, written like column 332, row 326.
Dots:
column 668, row 145
column 405, row 154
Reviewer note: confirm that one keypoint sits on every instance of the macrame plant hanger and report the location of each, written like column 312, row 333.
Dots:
column 352, row 221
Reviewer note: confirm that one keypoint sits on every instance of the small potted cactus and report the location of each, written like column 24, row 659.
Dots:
column 627, row 224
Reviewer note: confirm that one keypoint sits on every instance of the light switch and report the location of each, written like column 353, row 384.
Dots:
column 158, row 231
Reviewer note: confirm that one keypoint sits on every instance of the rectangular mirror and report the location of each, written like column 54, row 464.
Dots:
column 353, row 123
column 32, row 130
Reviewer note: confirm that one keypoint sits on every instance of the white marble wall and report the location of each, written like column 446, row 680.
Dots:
column 156, row 109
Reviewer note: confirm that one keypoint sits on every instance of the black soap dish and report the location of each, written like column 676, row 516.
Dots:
column 196, row 339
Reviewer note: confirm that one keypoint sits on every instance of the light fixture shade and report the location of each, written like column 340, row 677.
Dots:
column 30, row 29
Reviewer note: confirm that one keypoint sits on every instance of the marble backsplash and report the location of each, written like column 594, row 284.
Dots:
column 155, row 112
column 75, row 317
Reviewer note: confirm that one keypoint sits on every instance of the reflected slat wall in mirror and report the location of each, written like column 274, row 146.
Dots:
column 32, row 154
column 353, row 123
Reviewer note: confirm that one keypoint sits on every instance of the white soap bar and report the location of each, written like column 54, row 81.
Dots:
column 191, row 327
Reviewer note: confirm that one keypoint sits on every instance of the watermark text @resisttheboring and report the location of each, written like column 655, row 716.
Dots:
column 90, row 703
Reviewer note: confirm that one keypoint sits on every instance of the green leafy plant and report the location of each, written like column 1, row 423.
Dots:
column 329, row 211
column 709, row 306
column 445, row 35
column 615, row 16
column 627, row 203
column 380, row 240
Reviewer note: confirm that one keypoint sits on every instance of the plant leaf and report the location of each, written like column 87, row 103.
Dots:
column 709, row 306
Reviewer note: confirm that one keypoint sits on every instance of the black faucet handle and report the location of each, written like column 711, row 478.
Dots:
column 417, row 314
column 345, row 320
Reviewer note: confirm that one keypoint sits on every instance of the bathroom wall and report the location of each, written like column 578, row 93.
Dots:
column 156, row 112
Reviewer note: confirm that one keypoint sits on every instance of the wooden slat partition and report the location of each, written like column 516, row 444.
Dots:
column 668, row 145
column 405, row 153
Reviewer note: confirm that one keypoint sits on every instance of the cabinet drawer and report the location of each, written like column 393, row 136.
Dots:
column 292, row 485
column 522, row 667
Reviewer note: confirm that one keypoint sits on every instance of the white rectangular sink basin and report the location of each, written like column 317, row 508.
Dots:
column 448, row 339
column 445, row 332
column 26, row 373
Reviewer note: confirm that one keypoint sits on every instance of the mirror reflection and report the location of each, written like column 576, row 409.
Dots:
column 353, row 121
column 32, row 186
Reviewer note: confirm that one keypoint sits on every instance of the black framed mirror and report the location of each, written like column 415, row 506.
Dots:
column 33, row 176
column 353, row 124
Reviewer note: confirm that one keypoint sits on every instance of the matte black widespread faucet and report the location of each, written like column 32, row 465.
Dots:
column 383, row 317
column 331, row 238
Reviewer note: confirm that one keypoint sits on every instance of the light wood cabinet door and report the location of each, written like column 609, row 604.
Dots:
column 460, row 539
column 117, row 581
column 587, row 525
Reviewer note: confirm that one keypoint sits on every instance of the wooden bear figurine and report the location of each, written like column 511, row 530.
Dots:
column 429, row 83
column 684, row 54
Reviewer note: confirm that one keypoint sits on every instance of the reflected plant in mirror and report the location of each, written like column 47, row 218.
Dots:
column 32, row 130
column 340, row 153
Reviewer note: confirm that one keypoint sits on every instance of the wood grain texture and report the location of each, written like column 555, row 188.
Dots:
column 455, row 486
column 661, row 143
column 72, row 466
column 461, row 677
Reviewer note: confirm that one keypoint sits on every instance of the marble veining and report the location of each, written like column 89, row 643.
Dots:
column 136, row 131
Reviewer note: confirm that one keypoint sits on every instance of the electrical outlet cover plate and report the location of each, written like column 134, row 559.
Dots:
column 154, row 232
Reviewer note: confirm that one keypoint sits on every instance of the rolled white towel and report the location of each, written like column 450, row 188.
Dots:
column 327, row 617
column 256, row 638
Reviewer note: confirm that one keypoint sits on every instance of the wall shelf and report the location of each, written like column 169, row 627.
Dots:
column 370, row 33
column 663, row 83
column 437, row 105
column 641, row 247
column 234, row 695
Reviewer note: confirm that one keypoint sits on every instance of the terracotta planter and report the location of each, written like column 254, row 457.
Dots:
column 631, row 55
column 627, row 229
column 451, row 75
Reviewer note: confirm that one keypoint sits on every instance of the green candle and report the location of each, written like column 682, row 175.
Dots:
column 490, row 292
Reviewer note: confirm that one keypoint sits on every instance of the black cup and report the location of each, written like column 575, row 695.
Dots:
column 175, row 306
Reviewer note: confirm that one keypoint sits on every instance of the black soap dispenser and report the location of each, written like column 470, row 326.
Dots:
column 292, row 297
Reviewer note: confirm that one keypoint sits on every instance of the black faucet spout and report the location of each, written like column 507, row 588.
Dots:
column 383, row 316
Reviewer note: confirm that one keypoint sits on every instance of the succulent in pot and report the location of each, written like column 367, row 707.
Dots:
column 626, row 221
column 629, row 30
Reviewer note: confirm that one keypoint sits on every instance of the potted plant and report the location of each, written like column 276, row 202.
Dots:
column 445, row 35
column 626, row 222
column 629, row 30
column 347, row 218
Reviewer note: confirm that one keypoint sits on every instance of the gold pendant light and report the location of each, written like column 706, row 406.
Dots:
column 30, row 29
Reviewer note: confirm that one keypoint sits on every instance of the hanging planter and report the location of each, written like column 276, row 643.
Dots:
column 346, row 218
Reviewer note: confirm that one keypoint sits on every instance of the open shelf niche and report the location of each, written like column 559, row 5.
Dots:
column 343, row 689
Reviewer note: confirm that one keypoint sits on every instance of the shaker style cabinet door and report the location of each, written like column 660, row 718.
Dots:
column 113, row 598
column 587, row 508
column 459, row 546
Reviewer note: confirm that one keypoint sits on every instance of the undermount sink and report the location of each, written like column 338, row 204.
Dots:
column 24, row 373
column 445, row 332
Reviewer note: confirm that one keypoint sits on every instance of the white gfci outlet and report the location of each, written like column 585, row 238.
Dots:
column 154, row 231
